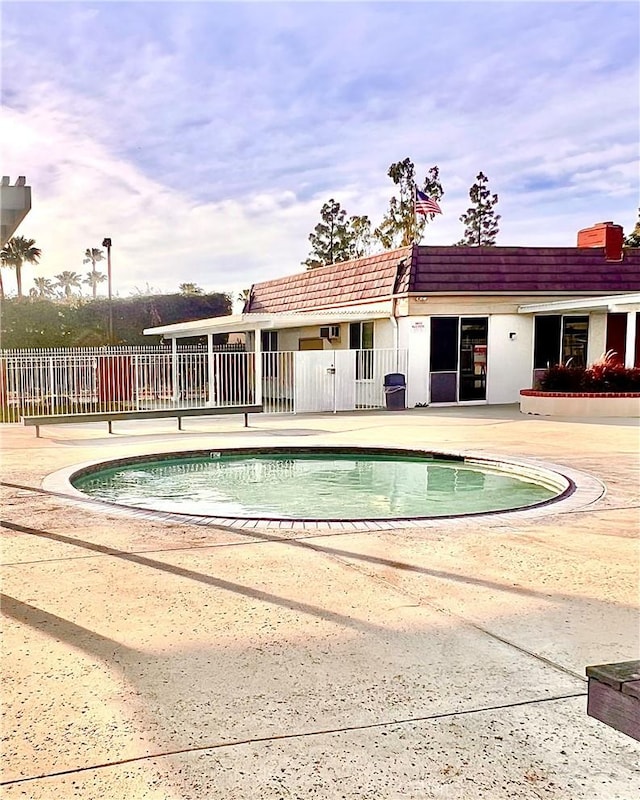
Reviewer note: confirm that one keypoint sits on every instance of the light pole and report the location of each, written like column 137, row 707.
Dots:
column 107, row 243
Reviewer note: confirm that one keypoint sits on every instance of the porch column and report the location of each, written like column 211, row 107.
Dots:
column 257, row 349
column 174, row 370
column 630, row 345
column 210, row 369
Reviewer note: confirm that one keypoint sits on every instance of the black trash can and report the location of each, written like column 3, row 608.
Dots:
column 395, row 389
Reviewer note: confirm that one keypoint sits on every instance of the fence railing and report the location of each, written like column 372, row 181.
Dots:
column 75, row 380
column 278, row 381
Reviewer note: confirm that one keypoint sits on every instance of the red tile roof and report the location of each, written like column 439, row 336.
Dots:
column 450, row 270
column 350, row 282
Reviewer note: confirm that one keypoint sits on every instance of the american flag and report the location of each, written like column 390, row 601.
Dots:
column 425, row 205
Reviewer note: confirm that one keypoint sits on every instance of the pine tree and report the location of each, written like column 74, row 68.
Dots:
column 399, row 226
column 331, row 238
column 633, row 239
column 480, row 219
column 359, row 232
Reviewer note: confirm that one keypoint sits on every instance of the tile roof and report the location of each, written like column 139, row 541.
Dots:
column 450, row 270
column 350, row 282
column 522, row 269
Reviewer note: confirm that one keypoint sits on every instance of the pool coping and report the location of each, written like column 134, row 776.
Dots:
column 580, row 491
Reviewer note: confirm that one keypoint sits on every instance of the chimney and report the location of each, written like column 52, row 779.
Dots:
column 603, row 234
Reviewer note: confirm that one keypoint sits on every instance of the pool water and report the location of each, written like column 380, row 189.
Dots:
column 295, row 486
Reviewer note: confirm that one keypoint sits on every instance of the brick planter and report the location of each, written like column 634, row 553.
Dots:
column 580, row 404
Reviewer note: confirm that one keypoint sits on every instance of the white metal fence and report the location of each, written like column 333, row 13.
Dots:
column 72, row 380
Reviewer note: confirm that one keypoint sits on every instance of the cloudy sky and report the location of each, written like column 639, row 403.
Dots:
column 204, row 137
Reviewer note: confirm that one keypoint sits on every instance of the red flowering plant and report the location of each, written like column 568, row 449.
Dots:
column 605, row 375
column 562, row 378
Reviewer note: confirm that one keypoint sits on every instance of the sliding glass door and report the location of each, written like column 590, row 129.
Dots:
column 473, row 358
column 458, row 359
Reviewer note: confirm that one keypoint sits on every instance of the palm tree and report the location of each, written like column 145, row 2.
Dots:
column 44, row 287
column 67, row 281
column 14, row 254
column 93, row 279
column 91, row 256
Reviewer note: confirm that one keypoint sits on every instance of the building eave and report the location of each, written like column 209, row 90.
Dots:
column 243, row 323
column 623, row 302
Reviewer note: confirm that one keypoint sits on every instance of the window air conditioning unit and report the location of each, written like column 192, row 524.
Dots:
column 330, row 332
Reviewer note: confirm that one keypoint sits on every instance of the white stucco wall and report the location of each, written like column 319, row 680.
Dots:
column 414, row 335
column 288, row 338
column 597, row 342
column 383, row 335
column 509, row 361
column 594, row 406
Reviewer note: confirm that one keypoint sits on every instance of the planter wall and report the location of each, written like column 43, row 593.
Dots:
column 579, row 404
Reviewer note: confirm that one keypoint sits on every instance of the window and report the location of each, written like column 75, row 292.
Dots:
column 559, row 339
column 361, row 338
column 546, row 349
column 575, row 333
column 269, row 341
column 269, row 344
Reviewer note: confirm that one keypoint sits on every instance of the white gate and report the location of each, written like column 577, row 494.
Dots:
column 343, row 380
column 315, row 385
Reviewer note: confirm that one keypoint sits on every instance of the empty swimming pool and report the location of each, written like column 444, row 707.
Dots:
column 319, row 484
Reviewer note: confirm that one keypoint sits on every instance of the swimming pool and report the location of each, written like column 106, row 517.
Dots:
column 308, row 484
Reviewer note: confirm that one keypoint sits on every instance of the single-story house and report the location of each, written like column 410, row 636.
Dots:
column 463, row 324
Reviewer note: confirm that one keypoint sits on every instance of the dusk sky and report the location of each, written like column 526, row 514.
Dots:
column 204, row 137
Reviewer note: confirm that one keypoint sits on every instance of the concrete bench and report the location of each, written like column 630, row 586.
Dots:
column 157, row 413
column 614, row 696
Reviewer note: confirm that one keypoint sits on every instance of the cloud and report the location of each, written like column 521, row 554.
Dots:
column 160, row 236
column 204, row 138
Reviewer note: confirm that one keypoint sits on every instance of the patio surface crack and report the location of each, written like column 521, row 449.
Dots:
column 291, row 736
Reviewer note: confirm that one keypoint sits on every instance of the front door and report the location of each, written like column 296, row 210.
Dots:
column 473, row 358
column 443, row 361
column 458, row 359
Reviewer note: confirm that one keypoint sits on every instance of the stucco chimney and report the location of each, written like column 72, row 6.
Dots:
column 603, row 234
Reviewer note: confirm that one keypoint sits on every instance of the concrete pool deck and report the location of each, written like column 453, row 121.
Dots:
column 145, row 658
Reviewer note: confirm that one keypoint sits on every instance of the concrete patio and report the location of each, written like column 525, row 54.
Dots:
column 149, row 659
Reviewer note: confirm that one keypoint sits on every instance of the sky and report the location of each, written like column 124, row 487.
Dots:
column 204, row 137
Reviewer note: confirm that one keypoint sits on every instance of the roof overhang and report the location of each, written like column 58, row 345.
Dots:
column 242, row 323
column 626, row 302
